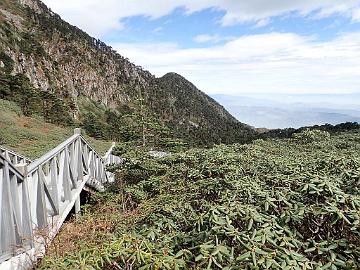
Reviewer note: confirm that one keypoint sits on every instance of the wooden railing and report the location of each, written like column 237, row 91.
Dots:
column 110, row 158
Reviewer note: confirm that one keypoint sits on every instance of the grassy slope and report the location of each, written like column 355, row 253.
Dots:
column 277, row 204
column 88, row 106
column 32, row 136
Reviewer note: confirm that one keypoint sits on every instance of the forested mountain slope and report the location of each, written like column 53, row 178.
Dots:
column 68, row 64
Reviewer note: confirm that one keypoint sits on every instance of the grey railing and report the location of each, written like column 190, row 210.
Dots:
column 13, row 157
column 56, row 178
column 38, row 197
column 110, row 158
column 15, row 222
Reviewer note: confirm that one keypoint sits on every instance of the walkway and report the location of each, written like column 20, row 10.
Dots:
column 37, row 196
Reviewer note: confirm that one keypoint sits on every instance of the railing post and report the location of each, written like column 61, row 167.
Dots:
column 77, row 206
column 22, row 167
column 77, row 131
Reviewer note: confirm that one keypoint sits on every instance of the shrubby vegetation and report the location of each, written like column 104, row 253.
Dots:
column 314, row 135
column 195, row 117
column 276, row 204
column 32, row 136
column 32, row 101
column 289, row 132
column 7, row 61
column 132, row 127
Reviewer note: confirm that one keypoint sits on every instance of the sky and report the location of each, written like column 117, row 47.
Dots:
column 232, row 47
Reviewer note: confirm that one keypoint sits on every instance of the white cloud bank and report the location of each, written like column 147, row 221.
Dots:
column 267, row 63
column 98, row 17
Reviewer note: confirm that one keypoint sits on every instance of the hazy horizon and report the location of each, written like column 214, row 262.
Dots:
column 289, row 110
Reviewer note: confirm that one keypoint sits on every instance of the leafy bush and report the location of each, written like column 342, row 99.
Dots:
column 8, row 62
column 267, row 205
column 309, row 136
column 32, row 101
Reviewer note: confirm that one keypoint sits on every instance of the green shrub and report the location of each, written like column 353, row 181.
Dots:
column 33, row 101
column 8, row 62
column 309, row 136
column 267, row 205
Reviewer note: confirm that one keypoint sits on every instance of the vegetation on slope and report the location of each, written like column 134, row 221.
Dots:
column 32, row 101
column 33, row 136
column 123, row 124
column 65, row 63
column 277, row 204
column 130, row 126
column 196, row 117
column 289, row 132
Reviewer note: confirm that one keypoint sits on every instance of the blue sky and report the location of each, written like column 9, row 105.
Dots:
column 182, row 29
column 232, row 46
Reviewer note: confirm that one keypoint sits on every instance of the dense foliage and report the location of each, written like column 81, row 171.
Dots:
column 136, row 126
column 33, row 136
column 17, row 88
column 282, row 204
column 289, row 132
column 194, row 116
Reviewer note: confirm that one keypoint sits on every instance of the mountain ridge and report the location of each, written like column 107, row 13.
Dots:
column 62, row 59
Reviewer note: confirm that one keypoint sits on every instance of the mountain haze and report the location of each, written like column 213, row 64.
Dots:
column 61, row 59
column 293, row 110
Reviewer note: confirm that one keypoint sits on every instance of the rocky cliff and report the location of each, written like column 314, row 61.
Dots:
column 62, row 59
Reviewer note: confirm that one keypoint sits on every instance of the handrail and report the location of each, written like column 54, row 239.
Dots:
column 108, row 153
column 12, row 167
column 52, row 153
column 52, row 188
column 15, row 220
column 92, row 148
column 109, row 158
column 49, row 155
column 12, row 156
column 56, row 176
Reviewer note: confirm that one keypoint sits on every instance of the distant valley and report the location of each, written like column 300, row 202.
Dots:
column 285, row 110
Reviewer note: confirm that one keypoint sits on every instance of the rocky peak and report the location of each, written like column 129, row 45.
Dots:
column 35, row 5
column 62, row 59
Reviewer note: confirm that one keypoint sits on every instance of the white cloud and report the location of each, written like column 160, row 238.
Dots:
column 356, row 15
column 98, row 17
column 206, row 38
column 157, row 30
column 274, row 62
column 211, row 38
column 262, row 23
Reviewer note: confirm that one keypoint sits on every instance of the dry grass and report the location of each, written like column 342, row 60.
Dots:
column 94, row 231
column 96, row 226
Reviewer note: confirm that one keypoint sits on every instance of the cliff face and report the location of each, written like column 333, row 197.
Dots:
column 64, row 60
column 58, row 57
